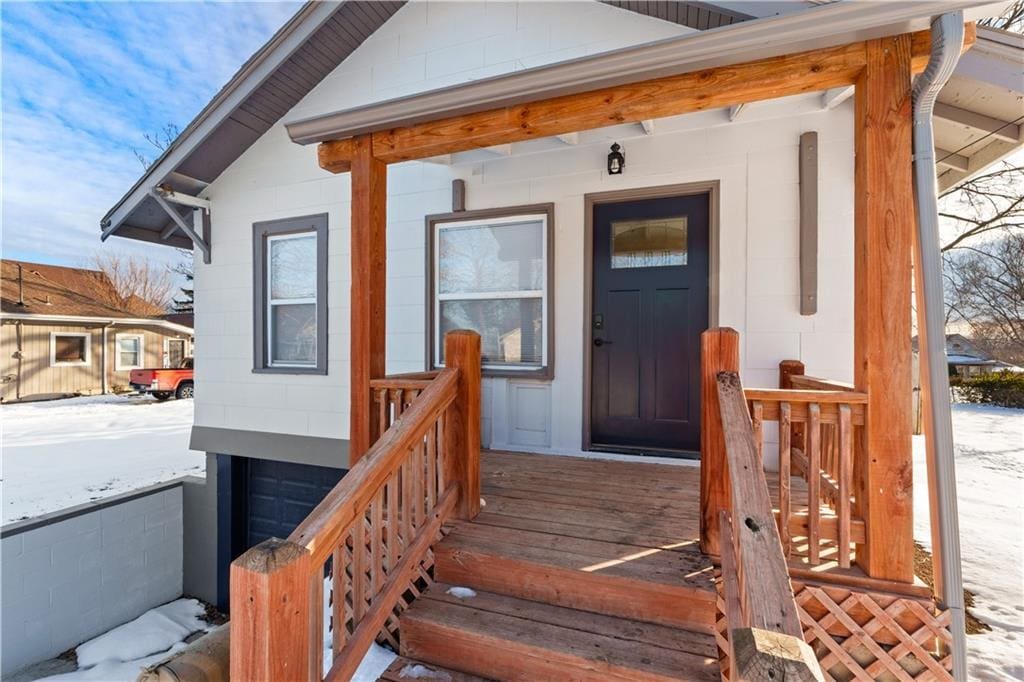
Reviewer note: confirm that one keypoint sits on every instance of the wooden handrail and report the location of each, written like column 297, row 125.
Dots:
column 372, row 533
column 817, row 383
column 765, row 637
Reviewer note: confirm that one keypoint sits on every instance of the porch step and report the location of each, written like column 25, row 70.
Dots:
column 668, row 585
column 505, row 638
column 405, row 669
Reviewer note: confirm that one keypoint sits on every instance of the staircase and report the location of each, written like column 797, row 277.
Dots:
column 577, row 598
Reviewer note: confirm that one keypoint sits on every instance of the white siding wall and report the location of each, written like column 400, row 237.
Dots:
column 429, row 45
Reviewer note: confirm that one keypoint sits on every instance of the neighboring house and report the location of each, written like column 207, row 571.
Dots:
column 967, row 359
column 738, row 206
column 60, row 334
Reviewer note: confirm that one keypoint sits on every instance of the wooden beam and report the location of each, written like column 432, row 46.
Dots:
column 719, row 352
column 952, row 160
column 708, row 89
column 336, row 155
column 993, row 127
column 368, row 293
column 883, row 236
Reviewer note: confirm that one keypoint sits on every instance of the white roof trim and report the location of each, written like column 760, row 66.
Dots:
column 85, row 319
column 819, row 27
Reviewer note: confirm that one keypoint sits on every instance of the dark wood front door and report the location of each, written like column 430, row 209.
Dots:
column 649, row 307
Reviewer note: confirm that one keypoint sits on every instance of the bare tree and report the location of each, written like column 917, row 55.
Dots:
column 183, row 267
column 160, row 141
column 137, row 285
column 1012, row 18
column 986, row 204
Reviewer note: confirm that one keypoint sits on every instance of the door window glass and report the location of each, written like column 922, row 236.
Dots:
column 648, row 243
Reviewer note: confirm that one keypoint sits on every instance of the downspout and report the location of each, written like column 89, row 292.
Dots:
column 104, row 388
column 947, row 37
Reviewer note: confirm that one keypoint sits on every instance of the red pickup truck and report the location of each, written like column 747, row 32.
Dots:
column 163, row 383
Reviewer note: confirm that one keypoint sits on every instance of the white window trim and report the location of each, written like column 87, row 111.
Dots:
column 287, row 301
column 118, row 367
column 78, row 363
column 167, row 349
column 541, row 294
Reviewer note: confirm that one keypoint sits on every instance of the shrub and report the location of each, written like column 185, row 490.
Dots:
column 998, row 388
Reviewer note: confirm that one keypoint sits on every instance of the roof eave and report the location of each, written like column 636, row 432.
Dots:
column 820, row 27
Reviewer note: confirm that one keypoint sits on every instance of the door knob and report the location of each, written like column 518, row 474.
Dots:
column 601, row 342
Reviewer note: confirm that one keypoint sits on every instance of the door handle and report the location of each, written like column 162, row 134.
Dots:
column 602, row 342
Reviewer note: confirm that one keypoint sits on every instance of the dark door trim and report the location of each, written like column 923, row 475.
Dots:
column 711, row 188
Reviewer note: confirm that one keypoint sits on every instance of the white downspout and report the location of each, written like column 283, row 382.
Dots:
column 947, row 41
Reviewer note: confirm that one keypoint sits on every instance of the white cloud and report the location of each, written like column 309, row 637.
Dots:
column 82, row 85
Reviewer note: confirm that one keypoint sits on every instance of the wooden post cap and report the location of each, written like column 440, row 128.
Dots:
column 763, row 656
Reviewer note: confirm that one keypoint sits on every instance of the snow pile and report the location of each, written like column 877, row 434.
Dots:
column 121, row 653
column 60, row 453
column 461, row 592
column 422, row 672
column 374, row 663
column 989, row 451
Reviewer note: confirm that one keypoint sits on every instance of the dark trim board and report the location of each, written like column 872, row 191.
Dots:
column 284, row 447
column 710, row 187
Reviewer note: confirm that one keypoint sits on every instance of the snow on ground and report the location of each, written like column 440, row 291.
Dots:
column 60, row 453
column 989, row 443
column 122, row 653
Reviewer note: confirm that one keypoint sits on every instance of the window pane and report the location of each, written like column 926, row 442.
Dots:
column 511, row 331
column 293, row 334
column 504, row 257
column 129, row 352
column 293, row 267
column 649, row 243
column 69, row 349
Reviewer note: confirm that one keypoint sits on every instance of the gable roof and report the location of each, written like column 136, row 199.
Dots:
column 55, row 292
column 322, row 35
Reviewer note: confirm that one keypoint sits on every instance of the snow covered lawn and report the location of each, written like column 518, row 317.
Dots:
column 989, row 445
column 61, row 453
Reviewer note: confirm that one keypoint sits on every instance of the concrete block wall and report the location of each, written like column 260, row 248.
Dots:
column 69, row 576
column 754, row 160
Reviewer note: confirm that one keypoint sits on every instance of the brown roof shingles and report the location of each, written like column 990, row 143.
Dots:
column 57, row 290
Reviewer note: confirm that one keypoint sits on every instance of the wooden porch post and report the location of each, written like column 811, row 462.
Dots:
column 883, row 237
column 462, row 427
column 369, row 280
column 719, row 352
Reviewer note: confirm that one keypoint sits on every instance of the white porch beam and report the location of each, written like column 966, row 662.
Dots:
column 182, row 199
column 952, row 160
column 195, row 236
column 571, row 139
column 648, row 126
column 832, row 98
column 499, row 150
column 1000, row 130
column 443, row 160
column 735, row 111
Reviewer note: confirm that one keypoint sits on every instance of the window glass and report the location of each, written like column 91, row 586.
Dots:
column 293, row 267
column 69, row 348
column 293, row 333
column 649, row 243
column 491, row 277
column 485, row 258
column 292, row 318
column 129, row 349
column 511, row 331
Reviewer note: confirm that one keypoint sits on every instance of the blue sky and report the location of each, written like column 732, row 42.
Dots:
column 82, row 84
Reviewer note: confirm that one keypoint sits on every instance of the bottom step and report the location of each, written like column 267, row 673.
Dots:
column 405, row 670
column 505, row 638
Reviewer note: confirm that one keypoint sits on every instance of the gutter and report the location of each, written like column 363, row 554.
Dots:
column 820, row 27
column 947, row 40
column 134, row 321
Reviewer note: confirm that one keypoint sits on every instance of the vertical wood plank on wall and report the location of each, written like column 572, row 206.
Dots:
column 883, row 232
column 369, row 279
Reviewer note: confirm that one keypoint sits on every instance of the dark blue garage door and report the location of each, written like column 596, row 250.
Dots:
column 281, row 494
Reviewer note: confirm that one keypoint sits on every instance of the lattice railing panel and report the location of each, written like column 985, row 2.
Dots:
column 862, row 635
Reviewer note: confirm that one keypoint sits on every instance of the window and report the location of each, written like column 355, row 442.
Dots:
column 129, row 352
column 290, row 295
column 491, row 272
column 69, row 348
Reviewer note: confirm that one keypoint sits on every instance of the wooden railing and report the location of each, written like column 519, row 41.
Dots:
column 765, row 636
column 816, row 439
column 372, row 534
column 393, row 394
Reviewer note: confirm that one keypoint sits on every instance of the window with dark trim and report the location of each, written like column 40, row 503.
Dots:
column 290, row 296
column 491, row 271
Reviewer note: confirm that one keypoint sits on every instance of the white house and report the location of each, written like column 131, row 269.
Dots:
column 590, row 288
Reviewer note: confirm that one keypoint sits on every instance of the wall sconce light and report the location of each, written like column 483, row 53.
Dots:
column 616, row 160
